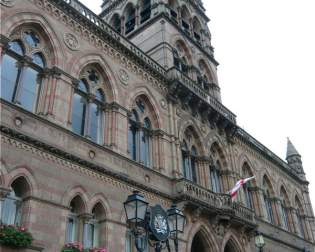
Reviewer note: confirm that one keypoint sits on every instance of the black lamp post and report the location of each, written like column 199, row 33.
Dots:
column 259, row 241
column 154, row 223
column 176, row 222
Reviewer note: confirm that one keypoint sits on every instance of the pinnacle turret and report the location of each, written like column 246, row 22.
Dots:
column 294, row 160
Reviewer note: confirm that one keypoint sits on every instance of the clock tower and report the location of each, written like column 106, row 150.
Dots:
column 172, row 32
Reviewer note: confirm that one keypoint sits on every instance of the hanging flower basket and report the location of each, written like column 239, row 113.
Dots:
column 17, row 237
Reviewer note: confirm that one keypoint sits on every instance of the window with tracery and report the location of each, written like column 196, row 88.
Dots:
column 12, row 205
column 140, row 133
column 180, row 59
column 130, row 18
column 22, row 69
column 145, row 11
column 88, row 106
column 267, row 200
column 215, row 168
column 248, row 194
column 284, row 208
column 189, row 156
column 299, row 215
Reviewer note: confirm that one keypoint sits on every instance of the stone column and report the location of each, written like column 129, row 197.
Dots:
column 276, row 205
column 263, row 208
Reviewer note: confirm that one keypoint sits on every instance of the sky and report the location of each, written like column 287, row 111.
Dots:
column 266, row 51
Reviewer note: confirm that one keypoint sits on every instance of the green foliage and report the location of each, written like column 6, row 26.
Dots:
column 14, row 236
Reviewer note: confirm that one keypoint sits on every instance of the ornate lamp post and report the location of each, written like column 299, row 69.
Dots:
column 176, row 222
column 153, row 223
column 259, row 241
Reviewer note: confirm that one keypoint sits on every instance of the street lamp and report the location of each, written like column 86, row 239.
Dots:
column 136, row 208
column 176, row 222
column 153, row 223
column 259, row 241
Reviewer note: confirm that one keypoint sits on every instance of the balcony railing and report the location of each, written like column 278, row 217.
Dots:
column 189, row 190
column 244, row 213
column 174, row 74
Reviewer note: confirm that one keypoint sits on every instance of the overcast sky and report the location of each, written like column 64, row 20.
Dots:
column 266, row 51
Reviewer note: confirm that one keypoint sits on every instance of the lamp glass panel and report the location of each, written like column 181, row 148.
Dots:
column 142, row 209
column 172, row 222
column 180, row 223
column 259, row 241
column 131, row 208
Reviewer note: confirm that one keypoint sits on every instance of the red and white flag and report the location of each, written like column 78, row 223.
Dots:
column 237, row 186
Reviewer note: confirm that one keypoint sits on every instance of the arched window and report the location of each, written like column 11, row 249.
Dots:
column 185, row 19
column 197, row 30
column 218, row 162
column 73, row 221
column 180, row 58
column 248, row 195
column 139, row 133
column 173, row 5
column 12, row 206
column 130, row 18
column 93, row 228
column 116, row 23
column 189, row 156
column 22, row 70
column 267, row 200
column 203, row 77
column 284, row 208
column 88, row 106
column 145, row 12
column 299, row 215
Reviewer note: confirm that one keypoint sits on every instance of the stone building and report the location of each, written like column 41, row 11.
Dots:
column 94, row 107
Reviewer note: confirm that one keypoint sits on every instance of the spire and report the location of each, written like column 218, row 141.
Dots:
column 291, row 151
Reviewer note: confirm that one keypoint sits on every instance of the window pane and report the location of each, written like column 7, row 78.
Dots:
column 31, row 38
column 38, row 59
column 78, row 114
column 88, row 234
column 82, row 86
column 132, row 142
column 71, row 229
column 145, row 148
column 95, row 123
column 8, row 211
column 193, row 170
column 29, row 89
column 100, row 96
column 9, row 73
column 16, row 47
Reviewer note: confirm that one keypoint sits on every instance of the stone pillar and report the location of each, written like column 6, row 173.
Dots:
column 263, row 206
column 256, row 201
column 276, row 206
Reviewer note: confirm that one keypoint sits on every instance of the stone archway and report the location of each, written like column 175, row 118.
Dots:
column 198, row 243
column 231, row 246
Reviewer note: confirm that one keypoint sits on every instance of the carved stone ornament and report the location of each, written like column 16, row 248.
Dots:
column 18, row 121
column 203, row 129
column 178, row 111
column 71, row 41
column 123, row 76
column 163, row 104
column 7, row 3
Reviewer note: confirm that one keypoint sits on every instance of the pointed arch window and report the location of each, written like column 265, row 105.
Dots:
column 116, row 23
column 247, row 187
column 145, row 13
column 88, row 107
column 22, row 70
column 130, row 18
column 12, row 205
column 215, row 177
column 140, row 134
column 284, row 205
column 268, row 201
column 180, row 61
column 299, row 215
column 189, row 162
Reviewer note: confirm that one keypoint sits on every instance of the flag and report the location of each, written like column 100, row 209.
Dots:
column 238, row 185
